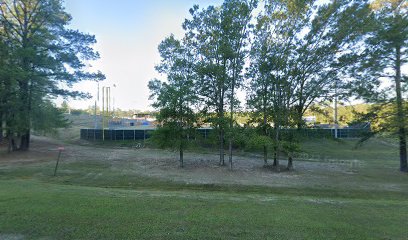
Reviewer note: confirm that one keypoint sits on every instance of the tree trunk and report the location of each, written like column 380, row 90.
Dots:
column 181, row 158
column 1, row 125
column 231, row 123
column 299, row 124
column 400, row 114
column 299, row 111
column 290, row 164
column 12, row 146
column 222, row 161
column 230, row 137
column 265, row 155
column 275, row 157
column 230, row 154
column 265, row 122
column 403, row 150
column 25, row 141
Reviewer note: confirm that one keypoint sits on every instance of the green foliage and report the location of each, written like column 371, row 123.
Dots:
column 47, row 118
column 175, row 98
column 257, row 142
column 44, row 58
column 347, row 114
column 298, row 53
column 65, row 107
column 290, row 143
column 220, row 39
column 295, row 62
column 386, row 31
column 171, row 136
column 382, row 58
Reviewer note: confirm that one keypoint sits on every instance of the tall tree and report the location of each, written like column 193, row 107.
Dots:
column 236, row 25
column 325, row 35
column 297, row 57
column 259, row 94
column 220, row 36
column 272, row 83
column 49, row 56
column 9, row 103
column 382, row 59
column 204, row 30
column 175, row 99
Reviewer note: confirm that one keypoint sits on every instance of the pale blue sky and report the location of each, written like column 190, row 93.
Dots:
column 128, row 33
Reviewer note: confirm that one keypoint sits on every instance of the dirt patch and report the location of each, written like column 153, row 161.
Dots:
column 200, row 168
column 41, row 150
column 11, row 237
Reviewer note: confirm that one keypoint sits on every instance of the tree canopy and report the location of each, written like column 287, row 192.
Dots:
column 45, row 58
column 289, row 57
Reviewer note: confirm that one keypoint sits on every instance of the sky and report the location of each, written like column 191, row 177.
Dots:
column 128, row 33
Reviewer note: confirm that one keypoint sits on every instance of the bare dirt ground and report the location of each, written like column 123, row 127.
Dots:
column 199, row 168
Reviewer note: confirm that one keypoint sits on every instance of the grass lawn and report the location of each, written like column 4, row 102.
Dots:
column 78, row 205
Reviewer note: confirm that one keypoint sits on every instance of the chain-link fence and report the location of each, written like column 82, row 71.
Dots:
column 142, row 134
column 115, row 135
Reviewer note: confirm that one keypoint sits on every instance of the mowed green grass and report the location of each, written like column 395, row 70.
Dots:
column 77, row 205
column 49, row 211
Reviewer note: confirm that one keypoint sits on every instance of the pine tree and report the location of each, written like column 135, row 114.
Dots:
column 383, row 55
column 47, row 55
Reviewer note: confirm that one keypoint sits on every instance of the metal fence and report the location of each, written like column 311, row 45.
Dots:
column 141, row 134
column 115, row 135
column 331, row 133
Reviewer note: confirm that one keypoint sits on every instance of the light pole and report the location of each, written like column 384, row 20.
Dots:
column 335, row 112
column 96, row 105
column 113, row 99
column 105, row 108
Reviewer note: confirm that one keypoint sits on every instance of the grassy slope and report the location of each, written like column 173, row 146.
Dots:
column 76, row 205
column 70, row 212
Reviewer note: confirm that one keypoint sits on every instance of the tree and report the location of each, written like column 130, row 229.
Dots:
column 328, row 35
column 65, row 108
column 383, row 55
column 176, row 98
column 204, row 31
column 8, row 90
column 271, row 88
column 3, row 85
column 220, row 35
column 47, row 117
column 237, row 16
column 49, row 56
column 296, row 59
